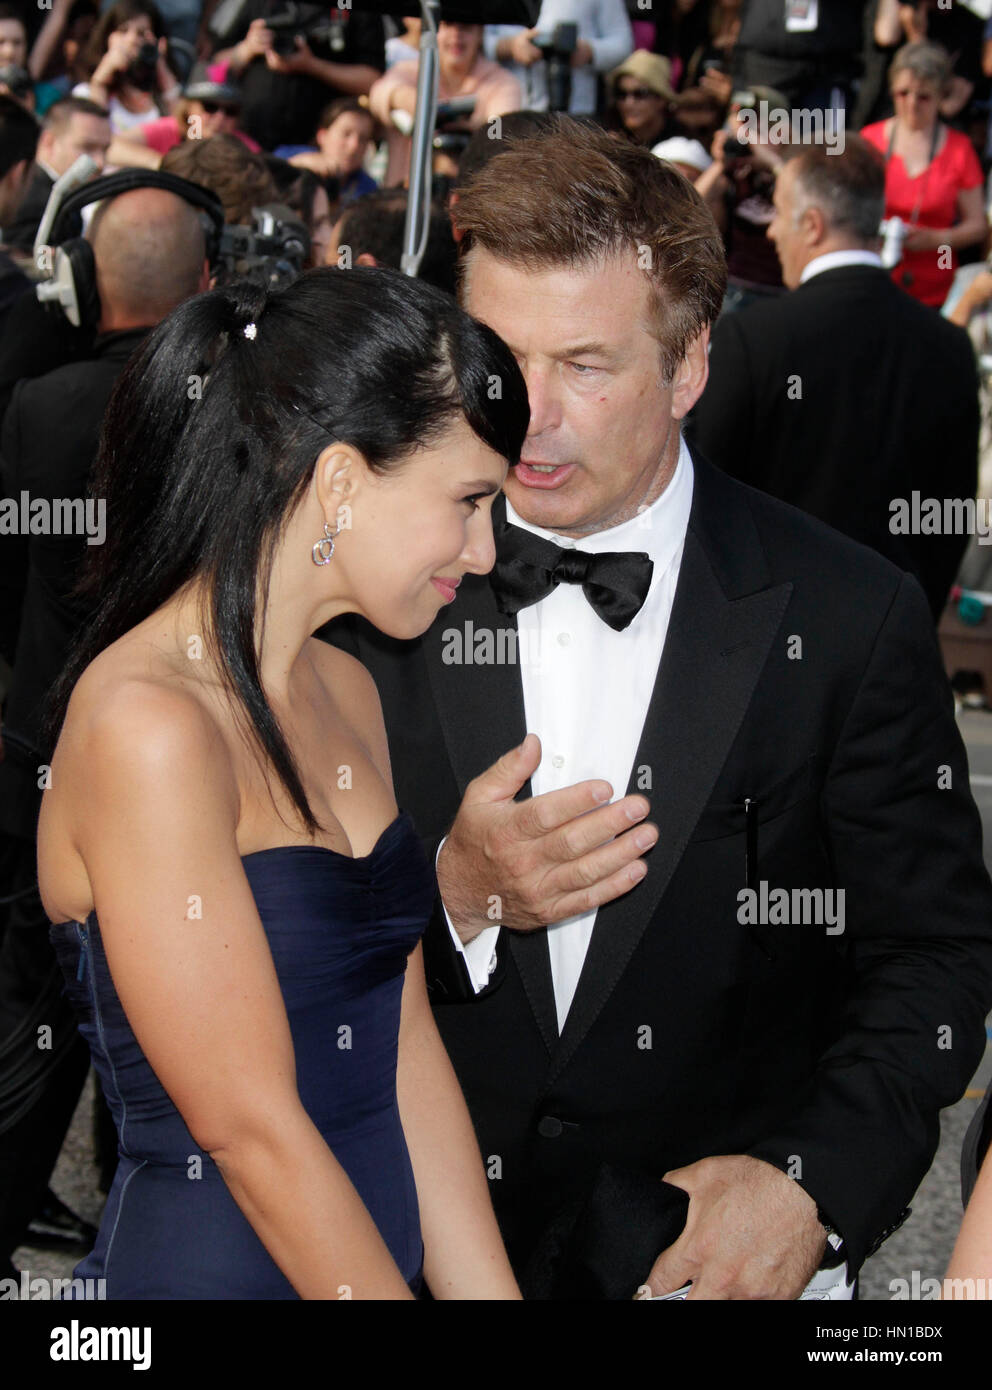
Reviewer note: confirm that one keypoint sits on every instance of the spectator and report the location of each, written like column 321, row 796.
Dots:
column 605, row 38
column 954, row 28
column 71, row 127
column 18, row 142
column 698, row 115
column 404, row 46
column 309, row 198
column 738, row 187
column 240, row 179
column 284, row 95
column 370, row 232
column 641, row 95
column 148, row 249
column 682, row 30
column 933, row 180
column 786, row 408
column 463, row 72
column 55, row 61
column 343, row 137
column 710, row 65
column 207, row 108
column 814, row 63
column 122, row 76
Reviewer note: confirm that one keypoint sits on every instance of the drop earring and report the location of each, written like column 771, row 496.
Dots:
column 324, row 548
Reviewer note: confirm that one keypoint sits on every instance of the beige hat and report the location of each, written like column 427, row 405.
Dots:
column 650, row 68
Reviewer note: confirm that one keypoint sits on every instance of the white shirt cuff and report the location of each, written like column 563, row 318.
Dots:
column 480, row 953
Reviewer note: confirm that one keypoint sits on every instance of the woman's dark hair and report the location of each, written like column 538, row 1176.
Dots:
column 119, row 13
column 210, row 439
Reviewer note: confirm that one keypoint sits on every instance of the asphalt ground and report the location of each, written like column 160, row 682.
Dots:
column 923, row 1244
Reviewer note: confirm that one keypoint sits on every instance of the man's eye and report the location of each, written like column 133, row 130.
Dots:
column 581, row 367
column 474, row 499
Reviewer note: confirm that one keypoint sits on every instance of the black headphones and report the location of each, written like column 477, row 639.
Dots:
column 71, row 276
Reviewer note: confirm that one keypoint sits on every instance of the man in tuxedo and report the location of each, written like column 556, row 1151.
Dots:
column 846, row 394
column 620, row 999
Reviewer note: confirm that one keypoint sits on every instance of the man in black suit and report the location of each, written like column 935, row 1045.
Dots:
column 846, row 395
column 71, row 127
column 772, row 1006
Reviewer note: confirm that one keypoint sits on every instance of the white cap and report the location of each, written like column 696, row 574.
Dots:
column 679, row 150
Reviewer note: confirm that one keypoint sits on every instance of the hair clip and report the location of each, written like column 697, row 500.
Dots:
column 250, row 330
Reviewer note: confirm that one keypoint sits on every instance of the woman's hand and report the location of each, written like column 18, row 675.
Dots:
column 922, row 239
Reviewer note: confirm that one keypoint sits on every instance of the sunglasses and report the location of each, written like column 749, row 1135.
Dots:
column 635, row 94
column 211, row 108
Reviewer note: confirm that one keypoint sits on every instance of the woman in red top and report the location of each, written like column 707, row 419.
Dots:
column 933, row 179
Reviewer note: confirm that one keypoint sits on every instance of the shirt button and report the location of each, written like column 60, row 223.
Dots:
column 549, row 1127
column 557, row 760
column 564, row 638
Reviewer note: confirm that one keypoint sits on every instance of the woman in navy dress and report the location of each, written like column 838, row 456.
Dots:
column 236, row 899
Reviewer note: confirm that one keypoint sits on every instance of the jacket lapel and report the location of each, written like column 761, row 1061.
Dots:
column 471, row 654
column 724, row 620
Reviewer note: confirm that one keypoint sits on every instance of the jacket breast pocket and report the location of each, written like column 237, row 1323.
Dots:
column 758, row 802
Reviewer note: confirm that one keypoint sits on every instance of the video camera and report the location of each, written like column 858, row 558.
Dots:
column 272, row 252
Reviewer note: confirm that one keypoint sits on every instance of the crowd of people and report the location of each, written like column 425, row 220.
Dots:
column 566, row 1066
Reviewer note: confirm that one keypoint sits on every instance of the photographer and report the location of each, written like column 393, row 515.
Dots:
column 604, row 39
column 738, row 187
column 129, row 74
column 463, row 72
column 287, row 77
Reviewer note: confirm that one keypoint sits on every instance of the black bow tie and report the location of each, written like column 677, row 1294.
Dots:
column 529, row 567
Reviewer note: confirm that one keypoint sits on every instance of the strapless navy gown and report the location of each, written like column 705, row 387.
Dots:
column 340, row 931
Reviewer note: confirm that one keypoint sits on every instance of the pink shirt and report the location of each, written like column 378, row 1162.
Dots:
column 495, row 90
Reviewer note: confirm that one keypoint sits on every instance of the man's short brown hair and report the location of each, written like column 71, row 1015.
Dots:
column 573, row 195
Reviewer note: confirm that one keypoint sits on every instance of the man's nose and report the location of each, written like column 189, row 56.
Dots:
column 542, row 394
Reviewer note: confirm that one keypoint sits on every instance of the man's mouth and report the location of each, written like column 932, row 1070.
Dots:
column 534, row 474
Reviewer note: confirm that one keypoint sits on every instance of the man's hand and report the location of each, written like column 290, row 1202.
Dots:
column 521, row 48
column 751, row 1233
column 299, row 62
column 541, row 860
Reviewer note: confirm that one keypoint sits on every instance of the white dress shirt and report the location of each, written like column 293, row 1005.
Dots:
column 831, row 260
column 586, row 691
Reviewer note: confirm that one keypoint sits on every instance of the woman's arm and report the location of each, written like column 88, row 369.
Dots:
column 463, row 1250
column 972, row 1257
column 464, row 1257
column 192, row 967
column 969, row 230
column 49, row 37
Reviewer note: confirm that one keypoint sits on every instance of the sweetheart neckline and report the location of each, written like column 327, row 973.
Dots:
column 273, row 849
column 326, row 849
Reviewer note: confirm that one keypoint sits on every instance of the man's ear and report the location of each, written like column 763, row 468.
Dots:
column 366, row 258
column 691, row 375
column 814, row 227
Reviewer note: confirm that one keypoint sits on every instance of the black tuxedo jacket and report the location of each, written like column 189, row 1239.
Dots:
column 841, row 396
column 800, row 670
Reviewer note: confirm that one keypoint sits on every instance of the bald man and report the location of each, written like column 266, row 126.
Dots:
column 149, row 250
